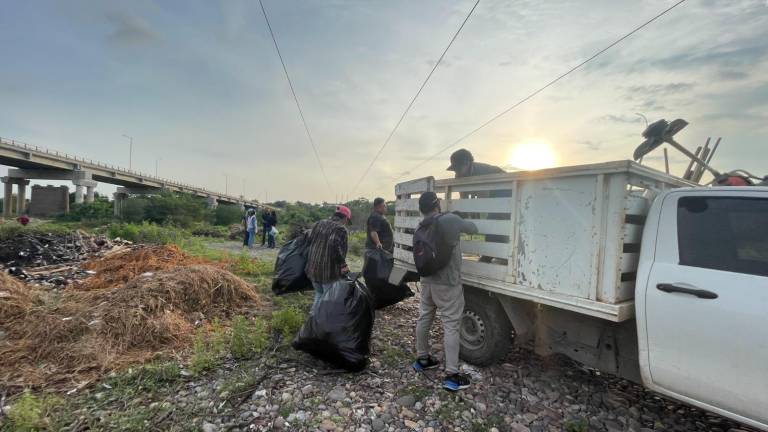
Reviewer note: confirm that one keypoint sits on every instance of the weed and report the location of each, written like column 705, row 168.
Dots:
column 148, row 233
column 249, row 337
column 27, row 413
column 417, row 391
column 208, row 349
column 287, row 321
column 394, row 356
column 576, row 426
column 244, row 264
column 286, row 410
column 239, row 382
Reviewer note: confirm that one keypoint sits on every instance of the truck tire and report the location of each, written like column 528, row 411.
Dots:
column 486, row 333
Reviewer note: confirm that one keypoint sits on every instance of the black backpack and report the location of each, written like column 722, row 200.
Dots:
column 430, row 253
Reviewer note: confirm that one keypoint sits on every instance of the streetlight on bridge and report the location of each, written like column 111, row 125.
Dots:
column 130, row 150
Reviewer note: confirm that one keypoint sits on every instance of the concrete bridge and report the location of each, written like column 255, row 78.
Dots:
column 33, row 162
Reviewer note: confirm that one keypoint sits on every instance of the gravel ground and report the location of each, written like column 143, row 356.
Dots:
column 292, row 391
column 524, row 393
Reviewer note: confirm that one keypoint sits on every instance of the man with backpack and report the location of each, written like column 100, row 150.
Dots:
column 437, row 256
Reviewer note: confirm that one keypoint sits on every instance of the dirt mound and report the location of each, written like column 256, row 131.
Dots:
column 124, row 265
column 64, row 340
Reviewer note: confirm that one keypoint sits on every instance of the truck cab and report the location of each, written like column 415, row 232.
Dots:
column 702, row 300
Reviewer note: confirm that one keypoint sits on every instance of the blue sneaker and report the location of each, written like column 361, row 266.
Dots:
column 456, row 382
column 423, row 364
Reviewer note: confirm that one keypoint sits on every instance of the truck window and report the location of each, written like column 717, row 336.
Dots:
column 724, row 233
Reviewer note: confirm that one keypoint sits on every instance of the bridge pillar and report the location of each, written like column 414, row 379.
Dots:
column 78, row 194
column 212, row 203
column 119, row 200
column 80, row 184
column 89, row 196
column 21, row 197
column 7, row 197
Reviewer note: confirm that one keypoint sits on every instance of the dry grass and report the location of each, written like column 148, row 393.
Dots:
column 15, row 298
column 64, row 340
column 124, row 265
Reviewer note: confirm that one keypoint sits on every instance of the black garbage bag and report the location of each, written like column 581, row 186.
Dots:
column 378, row 266
column 289, row 268
column 339, row 326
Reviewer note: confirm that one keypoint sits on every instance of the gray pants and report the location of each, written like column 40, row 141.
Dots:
column 449, row 301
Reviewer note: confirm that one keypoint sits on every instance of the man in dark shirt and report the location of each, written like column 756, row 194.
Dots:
column 379, row 230
column 326, row 257
column 464, row 165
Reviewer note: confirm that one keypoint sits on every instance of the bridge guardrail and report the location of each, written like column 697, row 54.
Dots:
column 75, row 158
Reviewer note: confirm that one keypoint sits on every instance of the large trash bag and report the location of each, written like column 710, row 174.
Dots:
column 289, row 268
column 339, row 326
column 378, row 265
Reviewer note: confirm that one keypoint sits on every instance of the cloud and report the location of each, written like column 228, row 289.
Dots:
column 131, row 30
column 620, row 119
column 591, row 145
column 742, row 53
column 661, row 88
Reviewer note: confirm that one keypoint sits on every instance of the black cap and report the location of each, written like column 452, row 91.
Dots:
column 428, row 201
column 460, row 157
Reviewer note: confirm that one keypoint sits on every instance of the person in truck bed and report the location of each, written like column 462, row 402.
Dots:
column 463, row 165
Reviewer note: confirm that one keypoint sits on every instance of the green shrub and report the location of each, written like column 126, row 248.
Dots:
column 98, row 210
column 226, row 215
column 249, row 337
column 148, row 233
column 356, row 243
column 209, row 348
column 287, row 321
column 204, row 229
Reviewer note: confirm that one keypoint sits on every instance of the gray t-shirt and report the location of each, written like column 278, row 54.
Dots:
column 449, row 229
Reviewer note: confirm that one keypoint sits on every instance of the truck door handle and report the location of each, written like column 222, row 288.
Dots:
column 700, row 293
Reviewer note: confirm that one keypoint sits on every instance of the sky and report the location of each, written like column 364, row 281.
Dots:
column 199, row 86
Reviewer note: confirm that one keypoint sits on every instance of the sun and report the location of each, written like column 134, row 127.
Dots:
column 532, row 155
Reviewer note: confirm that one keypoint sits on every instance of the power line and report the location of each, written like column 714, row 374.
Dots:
column 530, row 96
column 413, row 100
column 296, row 99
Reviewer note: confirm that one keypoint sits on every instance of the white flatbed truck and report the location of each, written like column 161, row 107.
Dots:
column 621, row 267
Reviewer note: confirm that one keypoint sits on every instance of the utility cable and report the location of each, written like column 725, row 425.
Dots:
column 530, row 96
column 296, row 99
column 413, row 100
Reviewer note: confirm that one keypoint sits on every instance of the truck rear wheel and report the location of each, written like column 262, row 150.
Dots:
column 486, row 332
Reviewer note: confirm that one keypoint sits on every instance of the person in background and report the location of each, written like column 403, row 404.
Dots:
column 271, row 234
column 443, row 292
column 244, row 222
column 327, row 254
column 265, row 226
column 379, row 230
column 253, row 227
column 463, row 165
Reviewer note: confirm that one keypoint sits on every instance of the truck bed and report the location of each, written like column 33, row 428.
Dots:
column 565, row 237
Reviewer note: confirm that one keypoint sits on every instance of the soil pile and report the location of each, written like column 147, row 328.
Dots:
column 68, row 339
